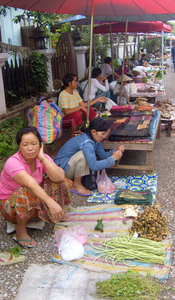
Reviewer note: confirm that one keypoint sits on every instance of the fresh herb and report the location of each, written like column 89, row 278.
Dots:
column 144, row 80
column 16, row 251
column 99, row 225
column 130, row 286
column 159, row 74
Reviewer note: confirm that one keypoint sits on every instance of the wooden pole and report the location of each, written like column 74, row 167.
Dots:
column 126, row 29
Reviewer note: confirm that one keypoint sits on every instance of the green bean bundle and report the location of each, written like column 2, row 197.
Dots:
column 127, row 247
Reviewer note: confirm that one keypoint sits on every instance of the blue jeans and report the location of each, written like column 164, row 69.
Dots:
column 103, row 94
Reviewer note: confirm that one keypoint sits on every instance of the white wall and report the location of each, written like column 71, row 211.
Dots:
column 11, row 32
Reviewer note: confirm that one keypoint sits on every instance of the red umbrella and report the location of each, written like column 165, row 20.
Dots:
column 142, row 27
column 137, row 10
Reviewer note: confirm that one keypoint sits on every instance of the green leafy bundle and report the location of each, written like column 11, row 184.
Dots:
column 130, row 286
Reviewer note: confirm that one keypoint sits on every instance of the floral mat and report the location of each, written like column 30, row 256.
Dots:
column 114, row 223
column 133, row 183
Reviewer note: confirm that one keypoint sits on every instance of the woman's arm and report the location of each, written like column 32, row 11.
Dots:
column 99, row 99
column 25, row 180
column 55, row 173
column 100, row 86
column 68, row 111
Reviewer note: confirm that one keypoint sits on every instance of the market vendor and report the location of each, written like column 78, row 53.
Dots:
column 25, row 194
column 96, row 85
column 142, row 60
column 126, row 68
column 141, row 69
column 79, row 155
column 106, row 69
column 72, row 106
column 125, row 92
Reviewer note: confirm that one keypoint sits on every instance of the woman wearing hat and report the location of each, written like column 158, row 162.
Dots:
column 125, row 92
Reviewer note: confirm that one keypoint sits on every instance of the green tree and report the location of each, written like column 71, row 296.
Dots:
column 101, row 45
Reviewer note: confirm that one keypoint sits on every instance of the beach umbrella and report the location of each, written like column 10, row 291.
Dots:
column 105, row 10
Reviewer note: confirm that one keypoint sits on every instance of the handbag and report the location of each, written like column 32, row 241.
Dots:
column 47, row 118
column 89, row 181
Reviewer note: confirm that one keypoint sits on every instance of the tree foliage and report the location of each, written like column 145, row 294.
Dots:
column 101, row 45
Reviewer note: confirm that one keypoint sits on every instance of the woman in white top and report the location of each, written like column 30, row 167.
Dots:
column 125, row 92
column 96, row 85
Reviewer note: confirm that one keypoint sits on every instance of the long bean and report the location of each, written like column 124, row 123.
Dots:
column 129, row 248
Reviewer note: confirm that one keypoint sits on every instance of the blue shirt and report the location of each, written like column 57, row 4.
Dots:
column 173, row 52
column 91, row 151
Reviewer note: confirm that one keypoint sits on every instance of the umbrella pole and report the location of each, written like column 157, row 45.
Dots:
column 162, row 61
column 94, row 51
column 112, row 52
column 126, row 29
column 90, row 62
column 170, row 61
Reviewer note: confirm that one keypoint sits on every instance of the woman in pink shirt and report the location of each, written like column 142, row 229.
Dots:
column 24, row 194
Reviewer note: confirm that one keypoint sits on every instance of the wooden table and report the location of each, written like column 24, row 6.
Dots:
column 137, row 145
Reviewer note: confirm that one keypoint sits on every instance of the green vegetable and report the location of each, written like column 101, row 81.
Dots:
column 16, row 251
column 99, row 225
column 127, row 247
column 159, row 74
column 144, row 79
column 130, row 285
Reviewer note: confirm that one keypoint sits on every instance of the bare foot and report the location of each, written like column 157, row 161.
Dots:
column 80, row 189
column 24, row 239
column 66, row 218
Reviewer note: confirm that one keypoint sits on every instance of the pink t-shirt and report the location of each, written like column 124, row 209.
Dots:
column 14, row 165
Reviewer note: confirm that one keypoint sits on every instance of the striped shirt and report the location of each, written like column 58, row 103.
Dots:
column 67, row 100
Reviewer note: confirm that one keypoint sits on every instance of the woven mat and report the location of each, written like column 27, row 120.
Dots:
column 114, row 223
column 133, row 183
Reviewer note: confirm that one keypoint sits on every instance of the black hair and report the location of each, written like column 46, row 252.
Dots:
column 142, row 50
column 125, row 60
column 95, row 72
column 69, row 77
column 98, row 124
column 143, row 55
column 107, row 60
column 26, row 130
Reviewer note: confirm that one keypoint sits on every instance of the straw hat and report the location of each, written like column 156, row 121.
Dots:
column 125, row 78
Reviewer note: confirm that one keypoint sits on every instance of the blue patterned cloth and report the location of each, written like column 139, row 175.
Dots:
column 133, row 183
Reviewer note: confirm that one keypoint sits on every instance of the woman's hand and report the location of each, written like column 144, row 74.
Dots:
column 118, row 153
column 102, row 99
column 121, row 148
column 41, row 152
column 55, row 210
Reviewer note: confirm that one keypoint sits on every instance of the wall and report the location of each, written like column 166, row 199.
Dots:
column 11, row 32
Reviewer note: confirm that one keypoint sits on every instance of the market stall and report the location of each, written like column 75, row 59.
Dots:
column 144, row 142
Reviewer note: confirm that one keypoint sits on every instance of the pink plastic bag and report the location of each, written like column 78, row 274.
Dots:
column 77, row 231
column 104, row 184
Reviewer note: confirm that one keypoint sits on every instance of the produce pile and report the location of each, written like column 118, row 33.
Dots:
column 121, row 248
column 166, row 107
column 130, row 285
column 150, row 224
column 142, row 104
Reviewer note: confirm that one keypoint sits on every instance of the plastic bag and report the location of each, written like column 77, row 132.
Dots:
column 77, row 231
column 70, row 249
column 104, row 184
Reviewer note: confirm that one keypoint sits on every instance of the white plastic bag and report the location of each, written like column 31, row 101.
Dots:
column 77, row 231
column 70, row 249
column 110, row 104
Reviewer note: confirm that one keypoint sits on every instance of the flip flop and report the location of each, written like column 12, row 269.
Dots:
column 75, row 192
column 23, row 240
